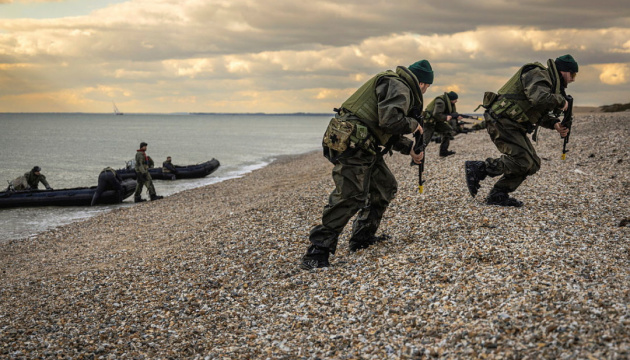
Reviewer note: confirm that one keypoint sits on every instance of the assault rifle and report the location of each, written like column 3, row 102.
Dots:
column 419, row 147
column 567, row 121
column 456, row 115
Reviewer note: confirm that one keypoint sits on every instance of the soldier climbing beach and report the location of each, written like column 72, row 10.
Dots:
column 366, row 127
column 438, row 119
column 525, row 102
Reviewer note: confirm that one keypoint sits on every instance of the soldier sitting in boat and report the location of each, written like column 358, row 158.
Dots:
column 30, row 180
column 168, row 169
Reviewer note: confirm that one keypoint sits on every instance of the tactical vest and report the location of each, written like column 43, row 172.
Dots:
column 364, row 104
column 512, row 101
column 428, row 112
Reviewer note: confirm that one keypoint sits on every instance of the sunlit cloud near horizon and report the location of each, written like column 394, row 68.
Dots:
column 285, row 56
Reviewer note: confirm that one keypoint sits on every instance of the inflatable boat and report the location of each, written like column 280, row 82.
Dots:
column 81, row 196
column 183, row 172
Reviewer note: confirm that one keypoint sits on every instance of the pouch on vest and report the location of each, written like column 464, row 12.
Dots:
column 337, row 135
column 510, row 109
column 488, row 99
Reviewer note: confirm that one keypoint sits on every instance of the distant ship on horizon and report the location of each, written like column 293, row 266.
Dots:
column 116, row 112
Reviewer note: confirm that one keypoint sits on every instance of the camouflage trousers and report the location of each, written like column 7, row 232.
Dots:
column 145, row 180
column 441, row 127
column 363, row 184
column 519, row 158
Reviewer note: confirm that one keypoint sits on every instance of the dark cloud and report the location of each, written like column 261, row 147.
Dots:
column 159, row 53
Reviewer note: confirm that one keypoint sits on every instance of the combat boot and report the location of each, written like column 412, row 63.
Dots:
column 498, row 197
column 156, row 197
column 316, row 257
column 446, row 153
column 475, row 172
column 138, row 199
column 358, row 242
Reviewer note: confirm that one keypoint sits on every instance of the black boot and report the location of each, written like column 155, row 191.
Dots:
column 363, row 242
column 138, row 199
column 316, row 257
column 475, row 172
column 156, row 197
column 498, row 197
column 446, row 153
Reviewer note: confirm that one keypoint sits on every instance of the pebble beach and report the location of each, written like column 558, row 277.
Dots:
column 212, row 272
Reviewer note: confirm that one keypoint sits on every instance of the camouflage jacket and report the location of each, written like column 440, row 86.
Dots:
column 531, row 94
column 142, row 164
column 34, row 180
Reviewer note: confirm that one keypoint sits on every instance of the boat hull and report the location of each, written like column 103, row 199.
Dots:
column 183, row 172
column 63, row 197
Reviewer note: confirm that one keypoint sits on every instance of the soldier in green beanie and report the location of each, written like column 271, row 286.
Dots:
column 525, row 102
column 368, row 125
column 438, row 119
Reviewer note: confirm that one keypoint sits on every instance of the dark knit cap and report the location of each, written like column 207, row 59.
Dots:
column 452, row 95
column 423, row 71
column 566, row 63
column 36, row 169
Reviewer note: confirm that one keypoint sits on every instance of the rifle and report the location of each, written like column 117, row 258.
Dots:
column 456, row 115
column 419, row 147
column 567, row 121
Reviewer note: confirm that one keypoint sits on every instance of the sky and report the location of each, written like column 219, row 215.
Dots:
column 285, row 56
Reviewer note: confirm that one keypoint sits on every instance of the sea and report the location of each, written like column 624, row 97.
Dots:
column 73, row 148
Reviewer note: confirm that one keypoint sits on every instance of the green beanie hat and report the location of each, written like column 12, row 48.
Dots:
column 423, row 71
column 452, row 95
column 566, row 63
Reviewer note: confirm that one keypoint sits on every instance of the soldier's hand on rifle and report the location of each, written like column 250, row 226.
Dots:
column 419, row 128
column 448, row 117
column 563, row 131
column 565, row 107
column 417, row 158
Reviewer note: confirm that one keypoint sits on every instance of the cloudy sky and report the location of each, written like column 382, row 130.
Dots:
column 280, row 56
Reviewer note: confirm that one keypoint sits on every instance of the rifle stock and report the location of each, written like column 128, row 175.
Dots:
column 419, row 147
column 567, row 121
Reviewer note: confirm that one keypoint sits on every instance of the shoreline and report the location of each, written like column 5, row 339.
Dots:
column 212, row 271
column 77, row 214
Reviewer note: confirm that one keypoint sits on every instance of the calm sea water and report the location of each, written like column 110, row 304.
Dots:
column 72, row 149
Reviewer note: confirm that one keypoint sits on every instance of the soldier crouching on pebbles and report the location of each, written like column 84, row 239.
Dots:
column 521, row 105
column 368, row 125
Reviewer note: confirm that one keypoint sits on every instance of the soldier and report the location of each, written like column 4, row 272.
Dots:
column 108, row 179
column 521, row 105
column 34, row 177
column 142, row 175
column 438, row 119
column 368, row 125
column 168, row 169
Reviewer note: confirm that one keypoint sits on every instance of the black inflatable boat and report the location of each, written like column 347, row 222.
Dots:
column 81, row 196
column 183, row 172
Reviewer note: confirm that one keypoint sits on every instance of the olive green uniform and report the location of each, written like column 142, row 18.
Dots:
column 363, row 182
column 33, row 180
column 143, row 177
column 435, row 121
column 523, row 103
